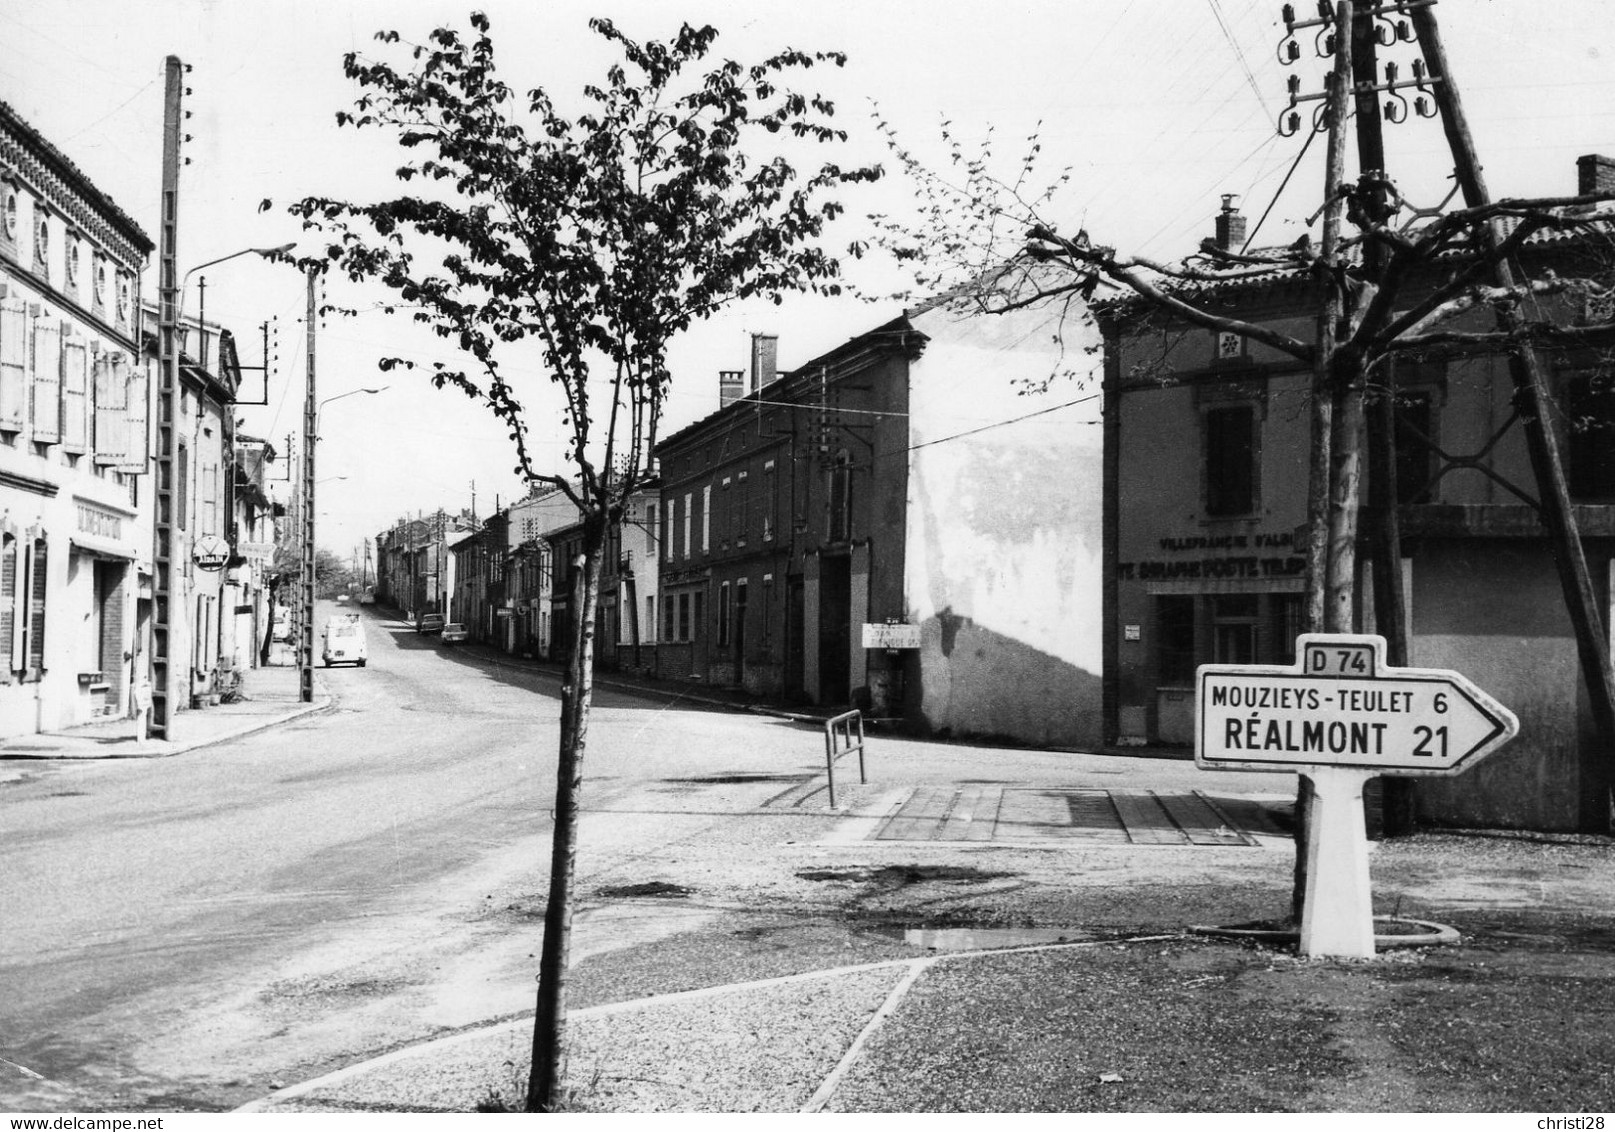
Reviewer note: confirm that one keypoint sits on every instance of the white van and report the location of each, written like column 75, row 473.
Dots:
column 343, row 641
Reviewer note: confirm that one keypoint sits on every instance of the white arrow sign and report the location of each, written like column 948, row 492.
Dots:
column 1341, row 706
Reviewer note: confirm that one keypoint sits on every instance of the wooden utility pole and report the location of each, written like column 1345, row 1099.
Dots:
column 1373, row 201
column 1531, row 399
column 305, row 636
column 165, row 551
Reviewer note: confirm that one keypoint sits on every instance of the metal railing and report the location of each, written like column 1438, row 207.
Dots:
column 838, row 741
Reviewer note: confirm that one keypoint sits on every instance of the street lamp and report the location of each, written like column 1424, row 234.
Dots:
column 320, row 408
column 201, row 318
column 165, row 592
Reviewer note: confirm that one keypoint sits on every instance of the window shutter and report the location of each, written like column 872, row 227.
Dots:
column 111, row 423
column 47, row 416
column 36, row 607
column 8, row 605
column 137, row 415
column 75, row 396
column 13, row 365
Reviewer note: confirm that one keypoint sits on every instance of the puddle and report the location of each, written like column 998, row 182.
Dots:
column 983, row 939
column 898, row 876
column 738, row 778
column 646, row 888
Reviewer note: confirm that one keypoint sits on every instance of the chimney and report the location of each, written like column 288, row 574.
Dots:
column 1230, row 226
column 1595, row 173
column 764, row 360
column 731, row 386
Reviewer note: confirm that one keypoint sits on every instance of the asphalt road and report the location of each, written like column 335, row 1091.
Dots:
column 185, row 933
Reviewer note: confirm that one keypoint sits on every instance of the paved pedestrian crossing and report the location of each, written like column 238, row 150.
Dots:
column 979, row 812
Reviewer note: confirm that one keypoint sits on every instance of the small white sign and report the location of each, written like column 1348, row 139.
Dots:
column 891, row 636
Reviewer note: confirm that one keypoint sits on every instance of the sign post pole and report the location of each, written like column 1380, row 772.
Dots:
column 1338, row 917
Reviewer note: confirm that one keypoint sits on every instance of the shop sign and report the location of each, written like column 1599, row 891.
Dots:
column 99, row 522
column 210, row 552
column 891, row 636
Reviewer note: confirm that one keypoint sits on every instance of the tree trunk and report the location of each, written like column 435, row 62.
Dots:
column 547, row 1074
column 268, row 645
column 1345, row 484
column 1324, row 428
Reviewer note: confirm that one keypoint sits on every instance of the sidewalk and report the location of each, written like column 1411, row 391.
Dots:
column 272, row 697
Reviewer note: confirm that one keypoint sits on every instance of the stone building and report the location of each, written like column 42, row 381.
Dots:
column 1206, row 456
column 75, row 544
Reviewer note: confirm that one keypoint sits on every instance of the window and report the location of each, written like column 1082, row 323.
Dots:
column 769, row 500
column 210, row 499
column 669, row 613
column 684, row 617
column 742, row 509
column 706, row 519
column 684, row 545
column 1230, row 454
column 723, row 613
column 1174, row 640
column 650, row 619
column 650, row 532
column 1233, row 628
column 667, row 539
column 841, row 498
column 34, row 630
column 8, row 605
column 1590, row 409
column 184, row 478
column 768, row 603
column 1415, row 432
column 1285, row 613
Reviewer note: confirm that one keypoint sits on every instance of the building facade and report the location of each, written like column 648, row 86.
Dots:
column 75, row 547
column 1206, row 456
column 939, row 475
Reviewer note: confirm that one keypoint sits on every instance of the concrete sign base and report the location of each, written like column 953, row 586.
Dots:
column 1338, row 917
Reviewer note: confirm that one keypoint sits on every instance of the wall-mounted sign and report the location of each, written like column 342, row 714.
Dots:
column 210, row 552
column 891, row 636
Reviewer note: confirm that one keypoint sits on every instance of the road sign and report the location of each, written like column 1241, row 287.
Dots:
column 1340, row 705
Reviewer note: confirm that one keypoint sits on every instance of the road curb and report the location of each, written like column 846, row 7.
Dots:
column 320, row 705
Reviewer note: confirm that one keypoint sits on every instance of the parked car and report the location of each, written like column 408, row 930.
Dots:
column 429, row 623
column 454, row 633
column 343, row 641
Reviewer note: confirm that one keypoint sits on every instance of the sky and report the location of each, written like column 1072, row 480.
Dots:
column 1157, row 107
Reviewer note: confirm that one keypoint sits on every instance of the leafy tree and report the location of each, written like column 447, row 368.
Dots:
column 586, row 241
column 332, row 574
column 993, row 243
